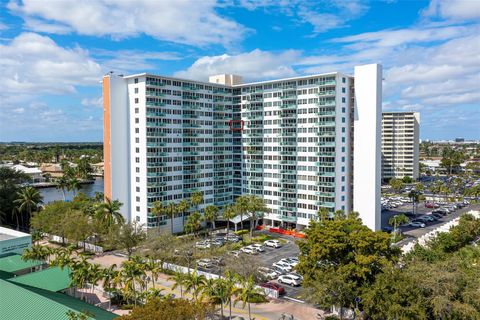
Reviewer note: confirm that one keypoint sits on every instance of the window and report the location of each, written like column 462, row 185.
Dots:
column 343, row 159
column 343, row 169
column 344, row 80
column 343, row 139
column 343, row 109
column 137, row 218
column 343, row 149
column 136, row 80
column 343, row 90
column 343, row 129
column 343, row 188
column 343, row 199
column 136, row 110
column 137, row 140
column 137, row 160
column 136, row 100
column 137, row 189
column 136, row 120
column 136, row 90
column 137, row 130
column 343, row 178
column 137, row 199
column 343, row 119
column 137, row 209
column 137, row 150
column 137, row 169
column 343, row 99
column 137, row 179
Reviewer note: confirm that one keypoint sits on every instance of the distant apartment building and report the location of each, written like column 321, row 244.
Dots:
column 400, row 145
column 288, row 141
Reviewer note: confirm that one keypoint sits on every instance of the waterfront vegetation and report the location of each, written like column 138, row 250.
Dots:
column 51, row 152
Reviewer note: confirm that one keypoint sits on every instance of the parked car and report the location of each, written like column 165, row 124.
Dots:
column 289, row 261
column 232, row 237
column 272, row 243
column 283, row 266
column 249, row 250
column 279, row 270
column 437, row 215
column 431, row 205
column 440, row 211
column 387, row 229
column 295, row 275
column 234, row 253
column 205, row 263
column 417, row 224
column 289, row 279
column 202, row 244
column 273, row 286
column 268, row 273
column 218, row 261
column 258, row 247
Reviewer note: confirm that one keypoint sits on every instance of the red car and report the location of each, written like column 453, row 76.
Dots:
column 431, row 205
column 273, row 286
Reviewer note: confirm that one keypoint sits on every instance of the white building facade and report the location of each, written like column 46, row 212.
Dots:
column 288, row 141
column 400, row 145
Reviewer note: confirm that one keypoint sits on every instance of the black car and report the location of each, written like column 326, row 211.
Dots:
column 437, row 215
column 387, row 229
column 440, row 211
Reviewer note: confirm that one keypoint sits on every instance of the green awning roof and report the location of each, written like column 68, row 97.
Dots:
column 15, row 263
column 20, row 302
column 51, row 279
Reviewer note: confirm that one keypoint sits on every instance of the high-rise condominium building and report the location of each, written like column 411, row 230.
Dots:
column 400, row 144
column 288, row 141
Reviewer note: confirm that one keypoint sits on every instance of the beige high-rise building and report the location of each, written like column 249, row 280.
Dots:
column 400, row 144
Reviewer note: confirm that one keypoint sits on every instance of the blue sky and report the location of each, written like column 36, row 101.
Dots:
column 54, row 53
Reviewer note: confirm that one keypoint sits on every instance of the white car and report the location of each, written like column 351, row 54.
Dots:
column 283, row 266
column 268, row 273
column 417, row 224
column 249, row 250
column 205, row 263
column 290, row 279
column 295, row 275
column 272, row 243
column 289, row 261
column 258, row 247
column 202, row 245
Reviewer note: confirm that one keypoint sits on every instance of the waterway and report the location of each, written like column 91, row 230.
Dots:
column 53, row 194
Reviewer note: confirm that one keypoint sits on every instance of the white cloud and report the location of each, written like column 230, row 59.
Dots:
column 35, row 64
column 253, row 65
column 18, row 110
column 92, row 102
column 454, row 9
column 190, row 22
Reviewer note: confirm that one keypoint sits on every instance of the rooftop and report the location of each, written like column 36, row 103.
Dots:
column 14, row 263
column 51, row 279
column 4, row 236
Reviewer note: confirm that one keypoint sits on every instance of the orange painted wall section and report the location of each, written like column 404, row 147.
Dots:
column 107, row 161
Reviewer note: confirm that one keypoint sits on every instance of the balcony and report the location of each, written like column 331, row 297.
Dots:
column 288, row 218
column 326, row 144
column 325, row 134
column 326, row 174
column 325, row 154
column 326, row 103
column 155, row 124
column 155, row 114
column 188, row 144
column 326, row 113
column 154, row 104
column 327, row 83
column 154, row 94
column 325, row 123
column 155, row 83
column 326, row 93
column 325, row 184
column 288, row 106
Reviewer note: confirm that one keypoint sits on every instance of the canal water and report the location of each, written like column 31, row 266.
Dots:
column 53, row 194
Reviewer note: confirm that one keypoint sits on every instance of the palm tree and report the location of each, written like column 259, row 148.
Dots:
column 256, row 207
column 108, row 212
column 241, row 207
column 414, row 195
column 62, row 184
column 95, row 274
column 183, row 206
column 80, row 272
column 193, row 223
column 211, row 214
column 322, row 214
column 397, row 220
column 248, row 293
column 152, row 293
column 28, row 200
column 132, row 273
column 170, row 211
column 229, row 212
column 180, row 279
column 17, row 213
column 74, row 185
column 230, row 282
column 196, row 199
column 194, row 283
column 108, row 275
column 215, row 290
column 154, row 267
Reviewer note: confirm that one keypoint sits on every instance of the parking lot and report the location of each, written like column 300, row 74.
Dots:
column 416, row 232
column 268, row 258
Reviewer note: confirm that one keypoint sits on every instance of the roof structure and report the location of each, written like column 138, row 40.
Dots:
column 51, row 279
column 14, row 263
column 20, row 302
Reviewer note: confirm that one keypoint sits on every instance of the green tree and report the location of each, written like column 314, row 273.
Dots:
column 74, row 185
column 128, row 236
column 340, row 257
column 215, row 290
column 28, row 200
column 248, row 293
column 169, row 309
column 229, row 213
column 396, row 184
column 108, row 213
column 193, row 223
column 62, row 184
column 179, row 279
column 196, row 199
column 170, row 210
column 210, row 215
column 182, row 207
column 414, row 195
column 397, row 220
column 154, row 268
column 194, row 283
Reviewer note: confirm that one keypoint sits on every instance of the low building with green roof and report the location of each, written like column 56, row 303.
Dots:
column 20, row 302
column 52, row 279
column 14, row 264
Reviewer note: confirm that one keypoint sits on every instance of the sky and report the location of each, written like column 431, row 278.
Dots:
column 53, row 54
